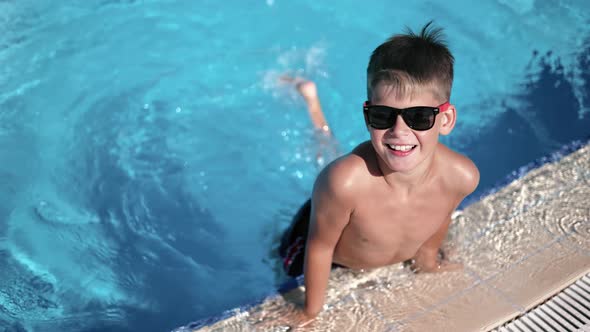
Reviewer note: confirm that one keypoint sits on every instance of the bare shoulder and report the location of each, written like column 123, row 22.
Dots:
column 463, row 173
column 336, row 193
column 346, row 175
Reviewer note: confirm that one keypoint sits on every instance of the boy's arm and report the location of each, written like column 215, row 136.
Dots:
column 466, row 180
column 330, row 213
column 426, row 259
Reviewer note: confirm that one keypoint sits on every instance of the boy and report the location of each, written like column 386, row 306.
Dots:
column 390, row 199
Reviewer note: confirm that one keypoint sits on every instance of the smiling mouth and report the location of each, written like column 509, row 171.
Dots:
column 400, row 148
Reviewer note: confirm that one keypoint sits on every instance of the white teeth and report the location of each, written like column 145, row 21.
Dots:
column 400, row 147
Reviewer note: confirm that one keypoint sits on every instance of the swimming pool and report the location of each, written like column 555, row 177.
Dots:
column 150, row 159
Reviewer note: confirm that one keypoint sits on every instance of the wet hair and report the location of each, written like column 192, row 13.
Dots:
column 409, row 62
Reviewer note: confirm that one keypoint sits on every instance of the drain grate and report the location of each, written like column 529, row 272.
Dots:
column 569, row 310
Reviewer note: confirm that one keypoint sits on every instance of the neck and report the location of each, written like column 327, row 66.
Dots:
column 407, row 182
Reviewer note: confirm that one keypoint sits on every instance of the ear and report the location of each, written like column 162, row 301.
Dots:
column 448, row 119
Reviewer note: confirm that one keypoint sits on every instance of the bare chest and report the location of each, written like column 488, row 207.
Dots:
column 394, row 230
column 412, row 221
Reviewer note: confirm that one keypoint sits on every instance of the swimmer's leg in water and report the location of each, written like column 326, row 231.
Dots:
column 308, row 90
column 328, row 148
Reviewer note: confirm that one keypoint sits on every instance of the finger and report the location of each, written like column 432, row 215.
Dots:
column 306, row 322
column 449, row 267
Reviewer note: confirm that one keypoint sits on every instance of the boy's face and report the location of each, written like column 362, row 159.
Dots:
column 401, row 148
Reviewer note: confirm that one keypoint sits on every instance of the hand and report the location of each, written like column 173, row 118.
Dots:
column 301, row 319
column 291, row 321
column 445, row 266
column 432, row 262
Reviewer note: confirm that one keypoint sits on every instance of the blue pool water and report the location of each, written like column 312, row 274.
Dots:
column 150, row 159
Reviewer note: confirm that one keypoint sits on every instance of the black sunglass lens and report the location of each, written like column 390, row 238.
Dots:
column 381, row 117
column 419, row 118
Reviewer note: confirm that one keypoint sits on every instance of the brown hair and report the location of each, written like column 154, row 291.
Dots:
column 408, row 62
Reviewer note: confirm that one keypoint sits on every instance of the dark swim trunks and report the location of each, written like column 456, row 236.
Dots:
column 292, row 248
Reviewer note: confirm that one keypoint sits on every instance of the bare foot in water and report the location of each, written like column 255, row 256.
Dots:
column 307, row 89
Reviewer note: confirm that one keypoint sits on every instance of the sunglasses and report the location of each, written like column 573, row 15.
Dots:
column 417, row 117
